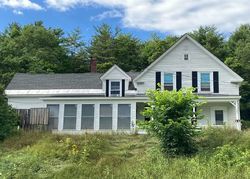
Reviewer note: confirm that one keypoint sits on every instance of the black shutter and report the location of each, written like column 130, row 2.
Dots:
column 123, row 87
column 157, row 79
column 178, row 81
column 107, row 88
column 216, row 81
column 194, row 80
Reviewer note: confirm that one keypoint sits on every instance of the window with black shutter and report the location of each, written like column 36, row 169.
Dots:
column 216, row 81
column 178, row 81
column 157, row 79
column 194, row 80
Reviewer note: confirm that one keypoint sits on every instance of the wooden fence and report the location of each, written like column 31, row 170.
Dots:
column 34, row 118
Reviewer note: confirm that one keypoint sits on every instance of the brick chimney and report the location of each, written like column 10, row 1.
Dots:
column 93, row 65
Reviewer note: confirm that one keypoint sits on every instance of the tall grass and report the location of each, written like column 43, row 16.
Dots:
column 223, row 153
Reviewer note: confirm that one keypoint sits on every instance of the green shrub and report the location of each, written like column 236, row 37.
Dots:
column 171, row 113
column 211, row 138
column 8, row 119
column 231, row 156
column 177, row 138
column 245, row 124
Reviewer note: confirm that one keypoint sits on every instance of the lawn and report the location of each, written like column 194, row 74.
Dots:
column 222, row 153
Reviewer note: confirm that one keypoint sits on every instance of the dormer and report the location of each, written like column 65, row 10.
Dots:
column 115, row 82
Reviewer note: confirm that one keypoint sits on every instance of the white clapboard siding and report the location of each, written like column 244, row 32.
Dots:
column 198, row 61
column 26, row 103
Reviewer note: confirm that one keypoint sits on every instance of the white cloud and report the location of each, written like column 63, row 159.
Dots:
column 177, row 16
column 17, row 12
column 107, row 14
column 20, row 4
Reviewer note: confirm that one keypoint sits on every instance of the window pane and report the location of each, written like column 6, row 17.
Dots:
column 105, row 116
column 168, row 78
column 53, row 115
column 115, row 88
column 115, row 92
column 168, row 81
column 185, row 56
column 69, row 116
column 124, row 116
column 88, row 112
column 205, row 82
column 219, row 117
column 115, row 85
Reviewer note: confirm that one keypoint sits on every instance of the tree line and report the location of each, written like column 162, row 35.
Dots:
column 35, row 48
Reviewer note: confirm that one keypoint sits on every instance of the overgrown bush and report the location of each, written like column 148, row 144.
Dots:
column 245, row 124
column 8, row 119
column 231, row 156
column 211, row 138
column 171, row 113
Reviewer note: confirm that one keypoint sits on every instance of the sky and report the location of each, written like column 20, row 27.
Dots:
column 138, row 17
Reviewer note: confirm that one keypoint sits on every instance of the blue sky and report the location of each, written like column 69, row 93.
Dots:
column 139, row 17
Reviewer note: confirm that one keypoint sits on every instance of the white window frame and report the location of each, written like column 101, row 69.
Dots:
column 112, row 115
column 88, row 116
column 174, row 79
column 125, row 116
column 70, row 116
column 225, row 115
column 54, row 116
column 110, row 81
column 187, row 56
column 211, row 82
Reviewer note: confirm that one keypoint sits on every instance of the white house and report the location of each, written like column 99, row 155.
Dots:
column 114, row 100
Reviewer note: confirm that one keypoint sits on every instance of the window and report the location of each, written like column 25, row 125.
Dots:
column 105, row 116
column 115, row 88
column 53, row 115
column 186, row 56
column 205, row 81
column 219, row 117
column 69, row 116
column 168, row 81
column 88, row 113
column 124, row 116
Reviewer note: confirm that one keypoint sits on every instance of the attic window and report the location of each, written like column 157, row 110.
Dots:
column 115, row 89
column 185, row 56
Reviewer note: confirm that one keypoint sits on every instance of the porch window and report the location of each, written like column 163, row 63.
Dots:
column 115, row 88
column 168, row 81
column 124, row 112
column 205, row 82
column 69, row 116
column 53, row 115
column 105, row 116
column 219, row 117
column 87, row 121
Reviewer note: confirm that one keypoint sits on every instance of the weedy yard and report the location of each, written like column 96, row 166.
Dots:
column 223, row 153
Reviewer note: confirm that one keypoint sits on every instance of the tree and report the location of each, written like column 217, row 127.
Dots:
column 8, row 119
column 155, row 47
column 102, row 47
column 127, row 52
column 238, row 60
column 31, row 48
column 171, row 113
column 78, row 57
column 212, row 40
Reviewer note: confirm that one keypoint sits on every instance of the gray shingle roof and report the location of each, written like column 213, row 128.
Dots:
column 26, row 81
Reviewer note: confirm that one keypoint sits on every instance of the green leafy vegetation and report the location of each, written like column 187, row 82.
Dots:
column 8, row 119
column 171, row 113
column 223, row 153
